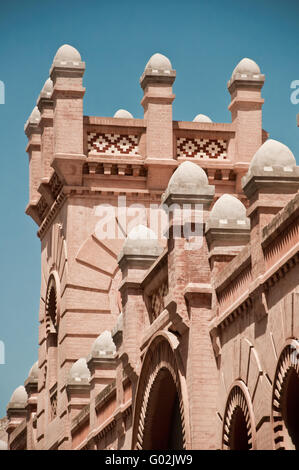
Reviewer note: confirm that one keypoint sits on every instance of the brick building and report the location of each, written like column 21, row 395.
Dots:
column 151, row 341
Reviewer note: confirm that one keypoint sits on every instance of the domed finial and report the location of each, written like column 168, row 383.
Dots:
column 141, row 241
column 67, row 53
column 157, row 70
column 187, row 182
column 246, row 67
column 67, row 57
column 246, row 71
column 158, row 62
column 33, row 119
column 18, row 398
column 188, row 175
column 79, row 371
column 273, row 153
column 47, row 89
column 123, row 114
column 226, row 209
column 202, row 118
column 33, row 373
column 272, row 159
column 103, row 345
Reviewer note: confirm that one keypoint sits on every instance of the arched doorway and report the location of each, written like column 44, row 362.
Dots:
column 161, row 407
column 163, row 427
column 238, row 428
column 285, row 401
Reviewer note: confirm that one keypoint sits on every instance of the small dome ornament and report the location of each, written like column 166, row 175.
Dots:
column 158, row 62
column 273, row 161
column 19, row 398
column 187, row 175
column 246, row 66
column 273, row 154
column 67, row 53
column 228, row 210
column 79, row 371
column 202, row 118
column 33, row 373
column 34, row 117
column 188, row 184
column 67, row 57
column 47, row 89
column 103, row 345
column 123, row 114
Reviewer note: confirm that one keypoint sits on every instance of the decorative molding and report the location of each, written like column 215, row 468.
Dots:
column 238, row 397
column 288, row 361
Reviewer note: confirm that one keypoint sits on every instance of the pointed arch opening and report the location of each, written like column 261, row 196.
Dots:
column 160, row 411
column 238, row 423
column 285, row 399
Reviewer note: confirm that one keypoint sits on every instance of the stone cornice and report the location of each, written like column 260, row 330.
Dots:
column 232, row 270
column 281, row 221
column 265, row 282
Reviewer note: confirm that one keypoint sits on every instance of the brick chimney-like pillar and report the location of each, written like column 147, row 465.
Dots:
column 190, row 287
column 66, row 73
column 45, row 106
column 33, row 132
column 246, row 108
column 156, row 82
column 140, row 250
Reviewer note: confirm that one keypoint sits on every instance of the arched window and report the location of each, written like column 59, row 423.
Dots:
column 237, row 425
column 161, row 408
column 52, row 320
column 285, row 401
column 163, row 427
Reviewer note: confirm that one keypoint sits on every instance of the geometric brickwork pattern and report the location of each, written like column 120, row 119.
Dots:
column 112, row 144
column 205, row 149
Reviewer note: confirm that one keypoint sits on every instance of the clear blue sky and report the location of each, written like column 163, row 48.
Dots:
column 204, row 39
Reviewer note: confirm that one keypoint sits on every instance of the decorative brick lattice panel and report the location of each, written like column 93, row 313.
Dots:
column 113, row 144
column 202, row 148
column 157, row 300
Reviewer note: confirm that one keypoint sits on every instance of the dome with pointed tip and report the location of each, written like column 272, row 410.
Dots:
column 141, row 241
column 247, row 66
column 273, row 153
column 141, row 232
column 33, row 373
column 202, row 118
column 3, row 445
column 67, row 53
column 47, row 89
column 228, row 207
column 159, row 62
column 123, row 113
column 34, row 117
column 103, row 345
column 19, row 397
column 79, row 371
column 188, row 175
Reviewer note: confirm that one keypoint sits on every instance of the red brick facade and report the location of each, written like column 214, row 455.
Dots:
column 205, row 338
